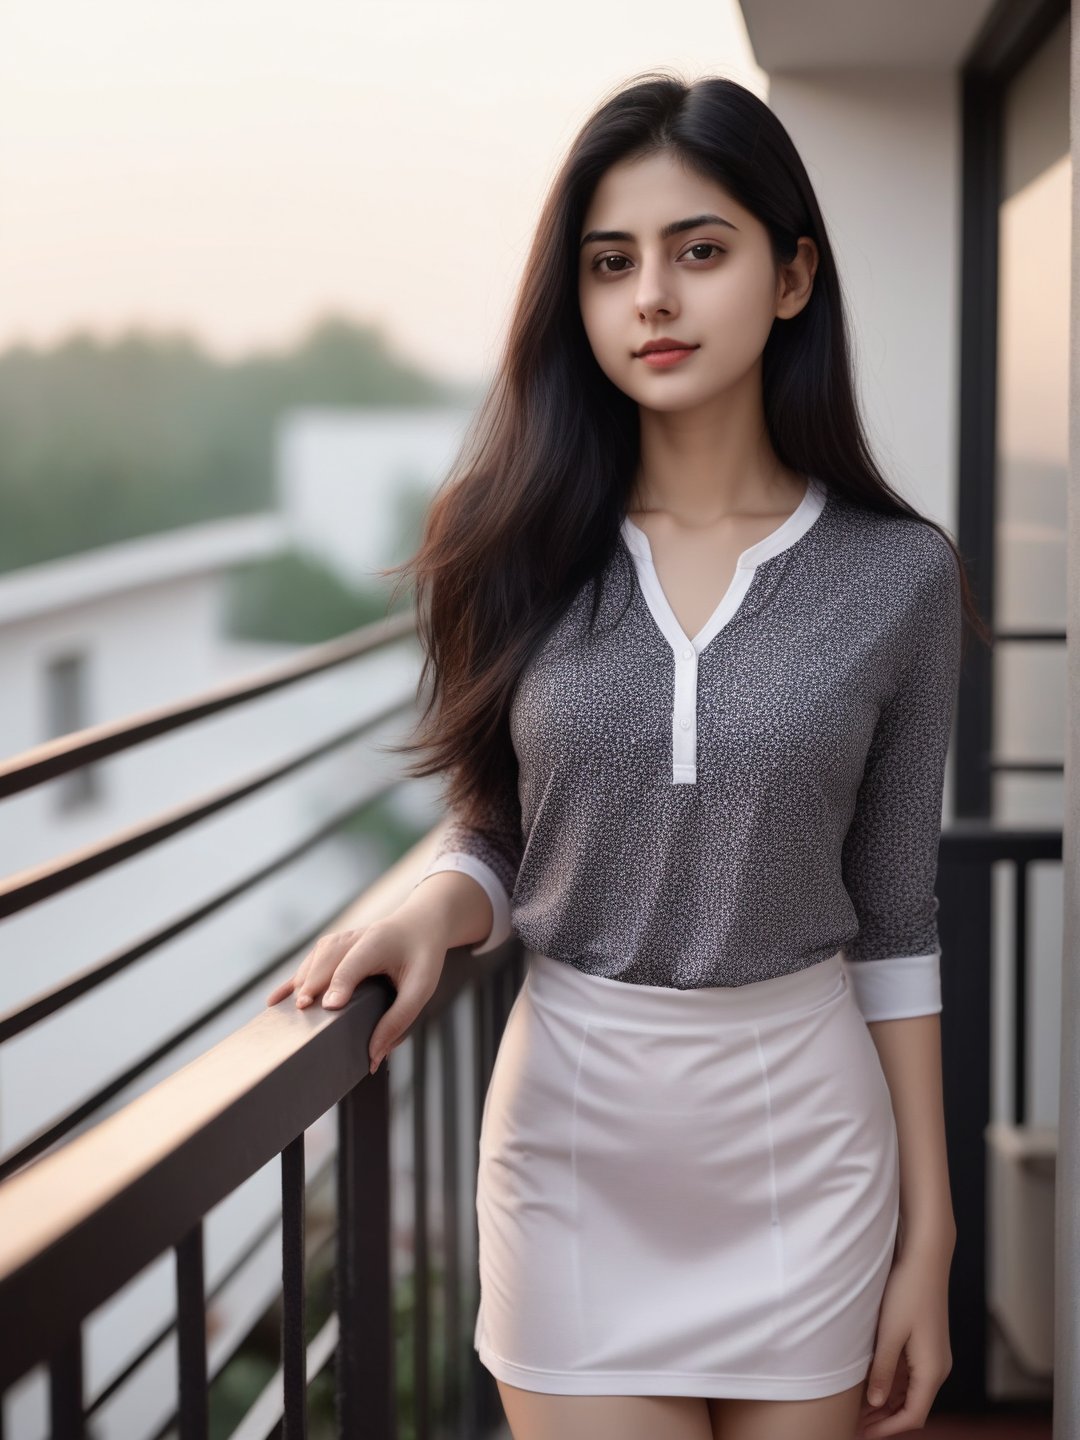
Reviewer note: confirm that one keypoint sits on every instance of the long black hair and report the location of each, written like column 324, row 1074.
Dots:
column 532, row 504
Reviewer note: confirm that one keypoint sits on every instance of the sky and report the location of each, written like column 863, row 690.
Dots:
column 236, row 169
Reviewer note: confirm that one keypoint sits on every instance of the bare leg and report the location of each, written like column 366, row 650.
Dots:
column 533, row 1416
column 832, row 1417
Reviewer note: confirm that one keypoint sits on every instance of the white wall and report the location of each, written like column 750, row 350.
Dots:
column 342, row 474
column 882, row 149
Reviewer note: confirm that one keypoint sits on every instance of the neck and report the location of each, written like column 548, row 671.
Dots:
column 703, row 465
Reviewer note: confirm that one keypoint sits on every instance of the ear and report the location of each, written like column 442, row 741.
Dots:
column 795, row 283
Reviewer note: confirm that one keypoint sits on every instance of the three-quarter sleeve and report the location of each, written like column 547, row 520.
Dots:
column 486, row 843
column 890, row 852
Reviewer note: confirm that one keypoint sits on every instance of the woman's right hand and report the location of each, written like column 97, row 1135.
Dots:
column 396, row 946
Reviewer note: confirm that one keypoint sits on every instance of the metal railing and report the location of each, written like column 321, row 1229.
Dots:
column 82, row 1213
column 970, row 849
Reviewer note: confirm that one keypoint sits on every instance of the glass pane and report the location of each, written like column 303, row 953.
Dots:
column 1033, row 424
column 1028, row 799
column 1031, row 687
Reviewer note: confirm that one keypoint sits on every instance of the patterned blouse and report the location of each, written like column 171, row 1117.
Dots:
column 735, row 806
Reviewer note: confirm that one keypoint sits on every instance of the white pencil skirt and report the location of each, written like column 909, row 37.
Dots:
column 685, row 1192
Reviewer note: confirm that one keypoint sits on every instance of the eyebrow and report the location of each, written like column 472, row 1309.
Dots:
column 674, row 228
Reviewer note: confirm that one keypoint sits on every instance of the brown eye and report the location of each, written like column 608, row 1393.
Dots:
column 706, row 245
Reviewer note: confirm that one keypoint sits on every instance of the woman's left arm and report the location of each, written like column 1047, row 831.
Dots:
column 910, row 1054
column 912, row 1354
column 890, row 865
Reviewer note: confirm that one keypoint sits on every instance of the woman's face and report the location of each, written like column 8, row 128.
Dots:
column 712, row 285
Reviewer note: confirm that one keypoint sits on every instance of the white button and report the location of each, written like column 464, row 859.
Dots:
column 687, row 654
column 685, row 724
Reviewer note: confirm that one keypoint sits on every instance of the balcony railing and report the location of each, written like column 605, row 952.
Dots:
column 91, row 1199
column 85, row 1206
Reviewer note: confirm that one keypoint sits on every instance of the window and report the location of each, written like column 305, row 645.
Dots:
column 66, row 709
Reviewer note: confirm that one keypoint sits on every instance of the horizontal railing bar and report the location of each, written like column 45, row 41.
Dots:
column 77, row 1224
column 261, row 1237
column 55, row 1131
column 1028, row 636
column 46, row 1002
column 82, row 747
column 986, row 840
column 1026, row 767
column 41, row 882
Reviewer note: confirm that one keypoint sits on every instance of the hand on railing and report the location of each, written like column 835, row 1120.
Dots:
column 400, row 945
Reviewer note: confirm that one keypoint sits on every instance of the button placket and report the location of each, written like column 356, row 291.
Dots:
column 685, row 651
column 684, row 716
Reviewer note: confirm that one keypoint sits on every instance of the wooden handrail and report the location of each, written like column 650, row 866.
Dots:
column 79, row 1222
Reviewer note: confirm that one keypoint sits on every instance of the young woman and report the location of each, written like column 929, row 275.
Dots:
column 695, row 667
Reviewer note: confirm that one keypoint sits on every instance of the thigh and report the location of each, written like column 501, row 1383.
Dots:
column 831, row 1417
column 534, row 1416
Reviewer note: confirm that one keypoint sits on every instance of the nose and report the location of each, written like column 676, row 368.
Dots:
column 654, row 293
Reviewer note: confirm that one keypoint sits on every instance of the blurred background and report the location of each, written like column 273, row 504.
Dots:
column 257, row 262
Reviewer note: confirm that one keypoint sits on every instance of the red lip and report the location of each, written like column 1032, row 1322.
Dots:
column 664, row 343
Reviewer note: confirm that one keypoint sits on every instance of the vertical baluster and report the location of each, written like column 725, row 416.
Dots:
column 487, row 1038
column 194, row 1413
column 509, row 994
column 362, row 1276
column 451, row 1247
column 1020, row 972
column 486, row 1409
column 421, row 1263
column 293, row 1345
column 66, row 1390
column 474, row 1373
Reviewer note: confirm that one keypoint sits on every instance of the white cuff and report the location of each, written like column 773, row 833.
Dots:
column 897, row 988
column 501, row 928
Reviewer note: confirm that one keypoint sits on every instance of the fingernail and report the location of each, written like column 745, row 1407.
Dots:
column 302, row 1000
column 331, row 997
column 375, row 1064
column 876, row 1397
